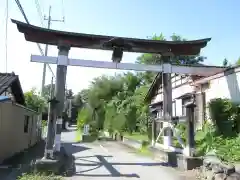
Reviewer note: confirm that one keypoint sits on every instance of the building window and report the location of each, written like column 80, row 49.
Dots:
column 26, row 124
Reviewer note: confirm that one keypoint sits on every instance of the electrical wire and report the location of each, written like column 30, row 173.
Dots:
column 6, row 36
column 63, row 12
column 26, row 19
column 40, row 14
column 4, row 15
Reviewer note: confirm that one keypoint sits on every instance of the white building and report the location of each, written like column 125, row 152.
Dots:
column 221, row 85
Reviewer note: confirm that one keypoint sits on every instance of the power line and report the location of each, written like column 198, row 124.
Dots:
column 6, row 35
column 39, row 12
column 63, row 13
column 26, row 19
column 4, row 17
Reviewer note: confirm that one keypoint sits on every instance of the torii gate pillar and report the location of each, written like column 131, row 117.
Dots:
column 59, row 93
column 167, row 103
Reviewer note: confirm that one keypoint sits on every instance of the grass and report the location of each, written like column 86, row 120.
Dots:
column 78, row 136
column 39, row 177
column 136, row 136
column 144, row 151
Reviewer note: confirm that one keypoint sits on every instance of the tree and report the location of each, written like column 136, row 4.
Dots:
column 35, row 101
column 238, row 61
column 225, row 62
column 47, row 90
column 118, row 101
column 156, row 58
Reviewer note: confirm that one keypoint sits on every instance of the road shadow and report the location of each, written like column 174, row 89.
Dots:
column 72, row 148
column 22, row 161
column 113, row 172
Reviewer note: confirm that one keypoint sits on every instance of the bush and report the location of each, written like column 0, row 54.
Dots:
column 84, row 117
column 228, row 149
column 44, row 123
column 225, row 115
column 145, row 143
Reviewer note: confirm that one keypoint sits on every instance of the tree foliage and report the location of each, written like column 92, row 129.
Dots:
column 34, row 101
column 118, row 100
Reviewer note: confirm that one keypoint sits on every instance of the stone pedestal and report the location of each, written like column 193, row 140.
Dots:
column 61, row 164
column 188, row 163
column 169, row 157
column 48, row 166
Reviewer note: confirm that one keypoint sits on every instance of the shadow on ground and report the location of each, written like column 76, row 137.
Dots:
column 73, row 148
column 21, row 162
column 102, row 162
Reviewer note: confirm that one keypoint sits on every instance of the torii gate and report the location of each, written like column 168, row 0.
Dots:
column 65, row 40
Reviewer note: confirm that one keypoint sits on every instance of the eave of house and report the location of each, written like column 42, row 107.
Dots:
column 194, row 80
column 156, row 83
column 228, row 71
column 10, row 80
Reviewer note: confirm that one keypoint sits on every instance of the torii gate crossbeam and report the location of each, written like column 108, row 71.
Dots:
column 165, row 67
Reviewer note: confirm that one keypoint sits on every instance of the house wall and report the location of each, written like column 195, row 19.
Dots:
column 176, row 92
column 180, row 86
column 13, row 139
column 224, row 87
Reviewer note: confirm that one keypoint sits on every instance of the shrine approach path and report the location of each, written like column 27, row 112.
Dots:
column 114, row 161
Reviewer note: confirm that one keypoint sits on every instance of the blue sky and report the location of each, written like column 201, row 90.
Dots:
column 217, row 19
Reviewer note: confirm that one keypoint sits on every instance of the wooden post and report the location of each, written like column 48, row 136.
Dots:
column 60, row 92
column 167, row 104
column 153, row 131
column 189, row 151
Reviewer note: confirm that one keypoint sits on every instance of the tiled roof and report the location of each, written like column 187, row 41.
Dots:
column 10, row 80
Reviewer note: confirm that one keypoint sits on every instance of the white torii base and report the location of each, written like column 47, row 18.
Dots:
column 166, row 68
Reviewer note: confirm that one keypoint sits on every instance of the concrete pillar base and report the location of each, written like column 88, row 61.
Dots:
column 61, row 164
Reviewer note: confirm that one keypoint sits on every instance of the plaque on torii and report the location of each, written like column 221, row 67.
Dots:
column 118, row 45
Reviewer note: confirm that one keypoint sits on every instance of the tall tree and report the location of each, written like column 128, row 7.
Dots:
column 156, row 58
column 47, row 91
column 118, row 101
column 34, row 101
column 238, row 61
column 225, row 62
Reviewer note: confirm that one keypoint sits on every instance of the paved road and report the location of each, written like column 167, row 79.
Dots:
column 110, row 160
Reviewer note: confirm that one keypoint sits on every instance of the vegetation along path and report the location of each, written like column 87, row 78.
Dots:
column 110, row 160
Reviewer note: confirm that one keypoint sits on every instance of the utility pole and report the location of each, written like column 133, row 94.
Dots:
column 49, row 19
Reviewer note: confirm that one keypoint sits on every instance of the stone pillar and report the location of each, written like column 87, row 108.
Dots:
column 189, row 150
column 60, row 91
column 50, row 130
column 200, row 110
